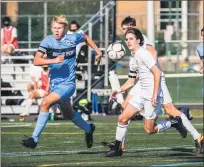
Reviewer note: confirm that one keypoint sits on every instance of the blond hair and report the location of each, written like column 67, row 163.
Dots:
column 61, row 20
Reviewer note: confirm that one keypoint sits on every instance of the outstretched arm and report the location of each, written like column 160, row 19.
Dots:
column 92, row 44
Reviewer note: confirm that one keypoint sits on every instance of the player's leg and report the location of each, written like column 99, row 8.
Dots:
column 4, row 49
column 151, row 113
column 36, row 94
column 180, row 116
column 121, row 129
column 10, row 49
column 198, row 138
column 124, row 104
column 42, row 120
column 134, row 96
column 76, row 118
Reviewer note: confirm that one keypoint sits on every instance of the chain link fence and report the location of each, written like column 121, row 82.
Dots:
column 34, row 18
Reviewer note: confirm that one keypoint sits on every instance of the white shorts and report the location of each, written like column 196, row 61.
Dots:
column 165, row 91
column 145, row 107
column 136, row 90
column 41, row 92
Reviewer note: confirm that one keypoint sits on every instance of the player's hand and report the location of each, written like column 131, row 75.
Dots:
column 98, row 58
column 154, row 100
column 200, row 71
column 113, row 95
column 46, row 93
column 59, row 59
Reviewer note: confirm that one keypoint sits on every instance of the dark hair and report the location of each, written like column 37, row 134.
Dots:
column 137, row 34
column 6, row 20
column 74, row 22
column 202, row 29
column 129, row 20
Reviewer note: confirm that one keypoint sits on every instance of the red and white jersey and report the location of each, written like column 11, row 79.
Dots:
column 7, row 34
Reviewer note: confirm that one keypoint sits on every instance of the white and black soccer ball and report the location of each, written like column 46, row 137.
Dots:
column 116, row 51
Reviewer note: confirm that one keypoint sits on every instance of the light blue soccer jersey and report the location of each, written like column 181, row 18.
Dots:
column 62, row 75
column 199, row 51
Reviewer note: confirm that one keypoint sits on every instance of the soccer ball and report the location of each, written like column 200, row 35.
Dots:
column 116, row 51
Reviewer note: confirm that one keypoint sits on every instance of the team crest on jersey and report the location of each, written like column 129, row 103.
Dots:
column 69, row 42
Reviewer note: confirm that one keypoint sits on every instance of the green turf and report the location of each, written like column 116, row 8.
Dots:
column 60, row 138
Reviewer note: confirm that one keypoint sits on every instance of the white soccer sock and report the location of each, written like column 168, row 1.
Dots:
column 123, row 142
column 28, row 105
column 189, row 127
column 120, row 132
column 24, row 103
column 164, row 125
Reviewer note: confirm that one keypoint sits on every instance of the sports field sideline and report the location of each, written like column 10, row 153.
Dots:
column 63, row 144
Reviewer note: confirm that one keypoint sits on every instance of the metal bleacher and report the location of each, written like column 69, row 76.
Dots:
column 18, row 76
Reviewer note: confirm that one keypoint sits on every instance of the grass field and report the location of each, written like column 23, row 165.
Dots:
column 62, row 144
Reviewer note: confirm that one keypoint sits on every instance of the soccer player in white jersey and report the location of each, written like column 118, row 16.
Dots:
column 125, row 24
column 167, row 101
column 61, row 59
column 151, row 97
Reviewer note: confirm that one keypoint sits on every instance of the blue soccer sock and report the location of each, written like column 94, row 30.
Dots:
column 40, row 125
column 78, row 121
column 164, row 125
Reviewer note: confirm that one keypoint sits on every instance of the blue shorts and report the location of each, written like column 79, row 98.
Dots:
column 64, row 90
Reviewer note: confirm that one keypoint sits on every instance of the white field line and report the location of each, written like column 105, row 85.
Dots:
column 17, row 154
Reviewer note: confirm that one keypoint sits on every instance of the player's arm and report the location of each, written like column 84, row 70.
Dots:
column 14, row 36
column 201, row 66
column 92, row 44
column 157, row 76
column 127, row 85
column 200, row 70
column 2, row 37
column 153, row 51
column 12, row 39
column 39, row 60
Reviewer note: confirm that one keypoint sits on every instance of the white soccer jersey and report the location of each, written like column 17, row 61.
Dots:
column 144, row 62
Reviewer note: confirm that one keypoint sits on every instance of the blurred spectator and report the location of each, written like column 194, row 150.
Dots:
column 35, row 73
column 200, row 53
column 73, row 28
column 40, row 91
column 9, row 37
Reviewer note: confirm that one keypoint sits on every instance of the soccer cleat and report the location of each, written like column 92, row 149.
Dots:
column 24, row 114
column 177, row 123
column 111, row 145
column 199, row 144
column 89, row 136
column 21, row 119
column 29, row 142
column 114, row 153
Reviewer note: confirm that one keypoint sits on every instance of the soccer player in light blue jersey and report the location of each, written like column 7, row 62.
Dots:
column 200, row 53
column 61, row 58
